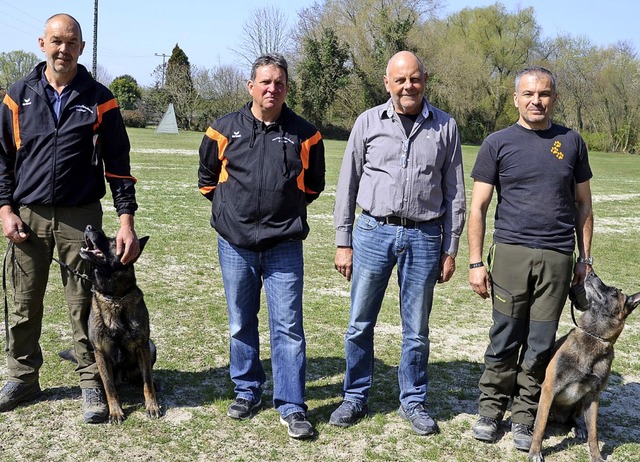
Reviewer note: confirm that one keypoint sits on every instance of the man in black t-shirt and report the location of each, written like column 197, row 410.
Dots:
column 541, row 173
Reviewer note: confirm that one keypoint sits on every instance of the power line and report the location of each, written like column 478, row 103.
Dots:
column 164, row 57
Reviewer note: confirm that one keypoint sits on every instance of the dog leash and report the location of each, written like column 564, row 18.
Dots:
column 73, row 271
column 10, row 249
column 6, row 302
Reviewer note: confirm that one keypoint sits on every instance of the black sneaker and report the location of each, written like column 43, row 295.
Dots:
column 243, row 409
column 94, row 406
column 348, row 413
column 297, row 425
column 421, row 421
column 14, row 393
column 522, row 436
column 485, row 429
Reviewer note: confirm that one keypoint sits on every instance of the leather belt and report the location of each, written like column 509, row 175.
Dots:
column 396, row 221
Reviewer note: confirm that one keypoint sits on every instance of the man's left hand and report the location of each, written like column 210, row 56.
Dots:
column 447, row 267
column 127, row 244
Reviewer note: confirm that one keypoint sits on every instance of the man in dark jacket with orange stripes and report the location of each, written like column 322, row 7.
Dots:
column 61, row 134
column 261, row 166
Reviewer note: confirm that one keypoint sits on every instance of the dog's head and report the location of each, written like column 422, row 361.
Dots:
column 608, row 307
column 108, row 271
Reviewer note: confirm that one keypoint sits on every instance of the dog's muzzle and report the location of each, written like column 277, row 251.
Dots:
column 578, row 296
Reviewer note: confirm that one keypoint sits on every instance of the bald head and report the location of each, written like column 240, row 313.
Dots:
column 62, row 45
column 405, row 81
column 67, row 20
column 403, row 56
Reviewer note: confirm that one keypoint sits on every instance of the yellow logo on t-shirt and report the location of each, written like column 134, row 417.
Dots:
column 555, row 150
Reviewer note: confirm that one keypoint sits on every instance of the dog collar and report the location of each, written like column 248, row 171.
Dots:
column 607, row 342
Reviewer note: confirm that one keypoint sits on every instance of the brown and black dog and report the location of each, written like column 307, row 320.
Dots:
column 581, row 364
column 118, row 323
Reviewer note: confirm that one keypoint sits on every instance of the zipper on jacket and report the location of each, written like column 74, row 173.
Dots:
column 260, row 173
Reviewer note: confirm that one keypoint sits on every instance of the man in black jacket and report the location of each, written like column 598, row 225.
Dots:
column 61, row 134
column 261, row 166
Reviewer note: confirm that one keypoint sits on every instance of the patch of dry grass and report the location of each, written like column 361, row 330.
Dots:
column 180, row 276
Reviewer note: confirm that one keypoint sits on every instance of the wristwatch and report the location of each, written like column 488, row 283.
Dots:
column 586, row 261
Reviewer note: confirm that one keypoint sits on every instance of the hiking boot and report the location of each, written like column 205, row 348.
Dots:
column 297, row 425
column 421, row 421
column 522, row 436
column 348, row 413
column 485, row 429
column 94, row 405
column 243, row 409
column 14, row 393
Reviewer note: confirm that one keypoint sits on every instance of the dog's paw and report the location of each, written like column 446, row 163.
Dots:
column 580, row 432
column 536, row 457
column 154, row 412
column 116, row 417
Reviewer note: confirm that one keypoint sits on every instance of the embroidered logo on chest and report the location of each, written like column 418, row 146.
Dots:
column 555, row 150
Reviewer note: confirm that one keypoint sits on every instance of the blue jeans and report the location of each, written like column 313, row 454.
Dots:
column 281, row 269
column 377, row 248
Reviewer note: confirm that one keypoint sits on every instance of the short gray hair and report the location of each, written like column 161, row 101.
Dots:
column 536, row 70
column 270, row 59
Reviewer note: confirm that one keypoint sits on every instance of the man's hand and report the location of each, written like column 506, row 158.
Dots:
column 127, row 244
column 479, row 280
column 12, row 226
column 344, row 261
column 447, row 267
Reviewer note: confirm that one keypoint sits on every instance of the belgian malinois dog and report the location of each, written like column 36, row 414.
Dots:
column 118, row 323
column 581, row 364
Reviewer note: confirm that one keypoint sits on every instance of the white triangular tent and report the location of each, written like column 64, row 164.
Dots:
column 168, row 123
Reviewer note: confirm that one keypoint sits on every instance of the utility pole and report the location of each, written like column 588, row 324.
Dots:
column 95, row 39
column 164, row 57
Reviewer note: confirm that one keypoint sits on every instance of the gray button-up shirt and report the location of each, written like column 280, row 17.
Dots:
column 418, row 177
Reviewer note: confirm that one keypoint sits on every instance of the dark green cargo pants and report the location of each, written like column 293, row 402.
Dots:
column 529, row 290
column 62, row 229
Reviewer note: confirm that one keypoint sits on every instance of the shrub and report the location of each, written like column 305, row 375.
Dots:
column 134, row 118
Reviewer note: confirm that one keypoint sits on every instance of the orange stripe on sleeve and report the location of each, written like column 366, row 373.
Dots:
column 128, row 177
column 102, row 109
column 206, row 190
column 222, row 143
column 304, row 156
column 14, row 108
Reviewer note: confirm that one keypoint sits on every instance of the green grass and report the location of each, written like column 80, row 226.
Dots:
column 180, row 276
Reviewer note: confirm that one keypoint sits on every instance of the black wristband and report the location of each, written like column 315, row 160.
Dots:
column 476, row 265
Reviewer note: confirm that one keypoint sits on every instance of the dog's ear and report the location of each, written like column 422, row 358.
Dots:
column 633, row 300
column 143, row 242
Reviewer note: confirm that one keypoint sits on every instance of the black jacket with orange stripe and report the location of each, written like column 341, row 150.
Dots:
column 63, row 164
column 261, row 177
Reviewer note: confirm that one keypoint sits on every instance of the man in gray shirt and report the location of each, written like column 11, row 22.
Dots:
column 403, row 167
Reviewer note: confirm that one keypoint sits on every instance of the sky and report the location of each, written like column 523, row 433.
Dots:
column 132, row 33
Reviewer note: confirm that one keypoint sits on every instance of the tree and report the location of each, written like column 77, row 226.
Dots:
column 15, row 65
column 617, row 98
column 265, row 31
column 323, row 71
column 223, row 89
column 474, row 55
column 178, row 69
column 179, row 87
column 126, row 90
column 103, row 76
column 374, row 31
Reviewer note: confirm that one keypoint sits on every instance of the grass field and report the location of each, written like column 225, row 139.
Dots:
column 179, row 274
